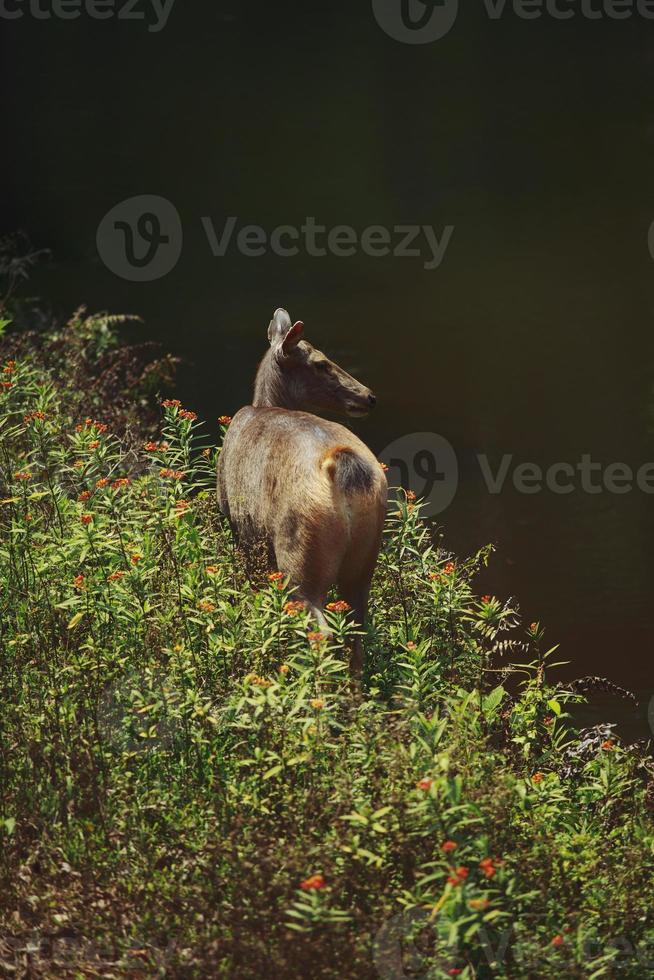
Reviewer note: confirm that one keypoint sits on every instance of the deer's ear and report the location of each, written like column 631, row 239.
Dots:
column 284, row 335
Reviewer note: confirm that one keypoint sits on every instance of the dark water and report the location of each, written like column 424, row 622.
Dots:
column 534, row 139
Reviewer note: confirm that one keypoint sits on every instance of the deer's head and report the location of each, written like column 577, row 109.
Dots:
column 295, row 375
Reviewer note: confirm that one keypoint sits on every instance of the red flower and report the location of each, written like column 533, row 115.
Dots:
column 558, row 941
column 486, row 600
column 135, row 558
column 608, row 745
column 123, row 481
column 313, row 884
column 21, row 475
column 102, row 482
column 459, row 876
column 448, row 846
column 84, row 495
column 449, row 568
column 171, row 403
column 294, row 607
column 171, row 474
column 454, row 972
column 225, row 419
column 33, row 416
column 338, row 607
column 86, row 519
column 425, row 783
column 115, row 576
column 78, row 581
column 538, row 777
column 185, row 414
column 410, row 496
column 487, row 865
column 7, row 384
column 212, row 569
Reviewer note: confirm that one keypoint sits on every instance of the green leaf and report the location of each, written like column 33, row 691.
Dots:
column 75, row 620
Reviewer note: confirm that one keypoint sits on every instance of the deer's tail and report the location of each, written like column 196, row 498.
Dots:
column 347, row 470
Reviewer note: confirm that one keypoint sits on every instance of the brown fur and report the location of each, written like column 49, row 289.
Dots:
column 308, row 486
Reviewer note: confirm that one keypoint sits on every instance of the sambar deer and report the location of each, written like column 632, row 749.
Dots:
column 307, row 487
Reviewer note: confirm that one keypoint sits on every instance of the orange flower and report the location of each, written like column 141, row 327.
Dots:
column 225, row 419
column 459, row 876
column 115, row 576
column 338, row 607
column 294, row 607
column 424, row 783
column 277, row 578
column 538, row 777
column 487, row 865
column 94, row 444
column 317, row 704
column 185, row 414
column 449, row 568
column 533, row 628
column 479, row 903
column 135, row 557
column 33, row 416
column 608, row 744
column 486, row 600
column 171, row 403
column 84, row 495
column 86, row 519
column 212, row 569
column 557, row 941
column 315, row 638
column 384, row 467
column 207, row 607
column 78, row 581
column 454, row 971
column 151, row 447
column 283, row 668
column 7, row 384
column 448, row 846
column 181, row 507
column 102, row 482
column 123, row 481
column 410, row 645
column 206, row 452
column 548, row 720
column 9, row 367
column 410, row 496
column 22, row 475
column 171, row 474
column 313, row 884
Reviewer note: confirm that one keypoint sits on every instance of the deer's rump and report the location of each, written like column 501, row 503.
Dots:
column 309, row 487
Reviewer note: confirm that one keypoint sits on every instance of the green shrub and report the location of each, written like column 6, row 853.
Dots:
column 191, row 786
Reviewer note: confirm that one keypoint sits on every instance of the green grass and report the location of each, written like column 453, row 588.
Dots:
column 180, row 752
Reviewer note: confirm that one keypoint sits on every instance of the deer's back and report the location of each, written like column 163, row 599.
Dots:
column 275, row 463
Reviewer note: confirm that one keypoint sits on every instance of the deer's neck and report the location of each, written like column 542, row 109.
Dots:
column 271, row 387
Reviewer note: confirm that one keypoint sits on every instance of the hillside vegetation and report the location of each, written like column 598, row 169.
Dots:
column 192, row 787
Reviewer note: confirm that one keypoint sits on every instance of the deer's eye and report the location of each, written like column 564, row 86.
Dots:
column 321, row 365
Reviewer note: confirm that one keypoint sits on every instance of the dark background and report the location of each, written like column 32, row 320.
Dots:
column 535, row 139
